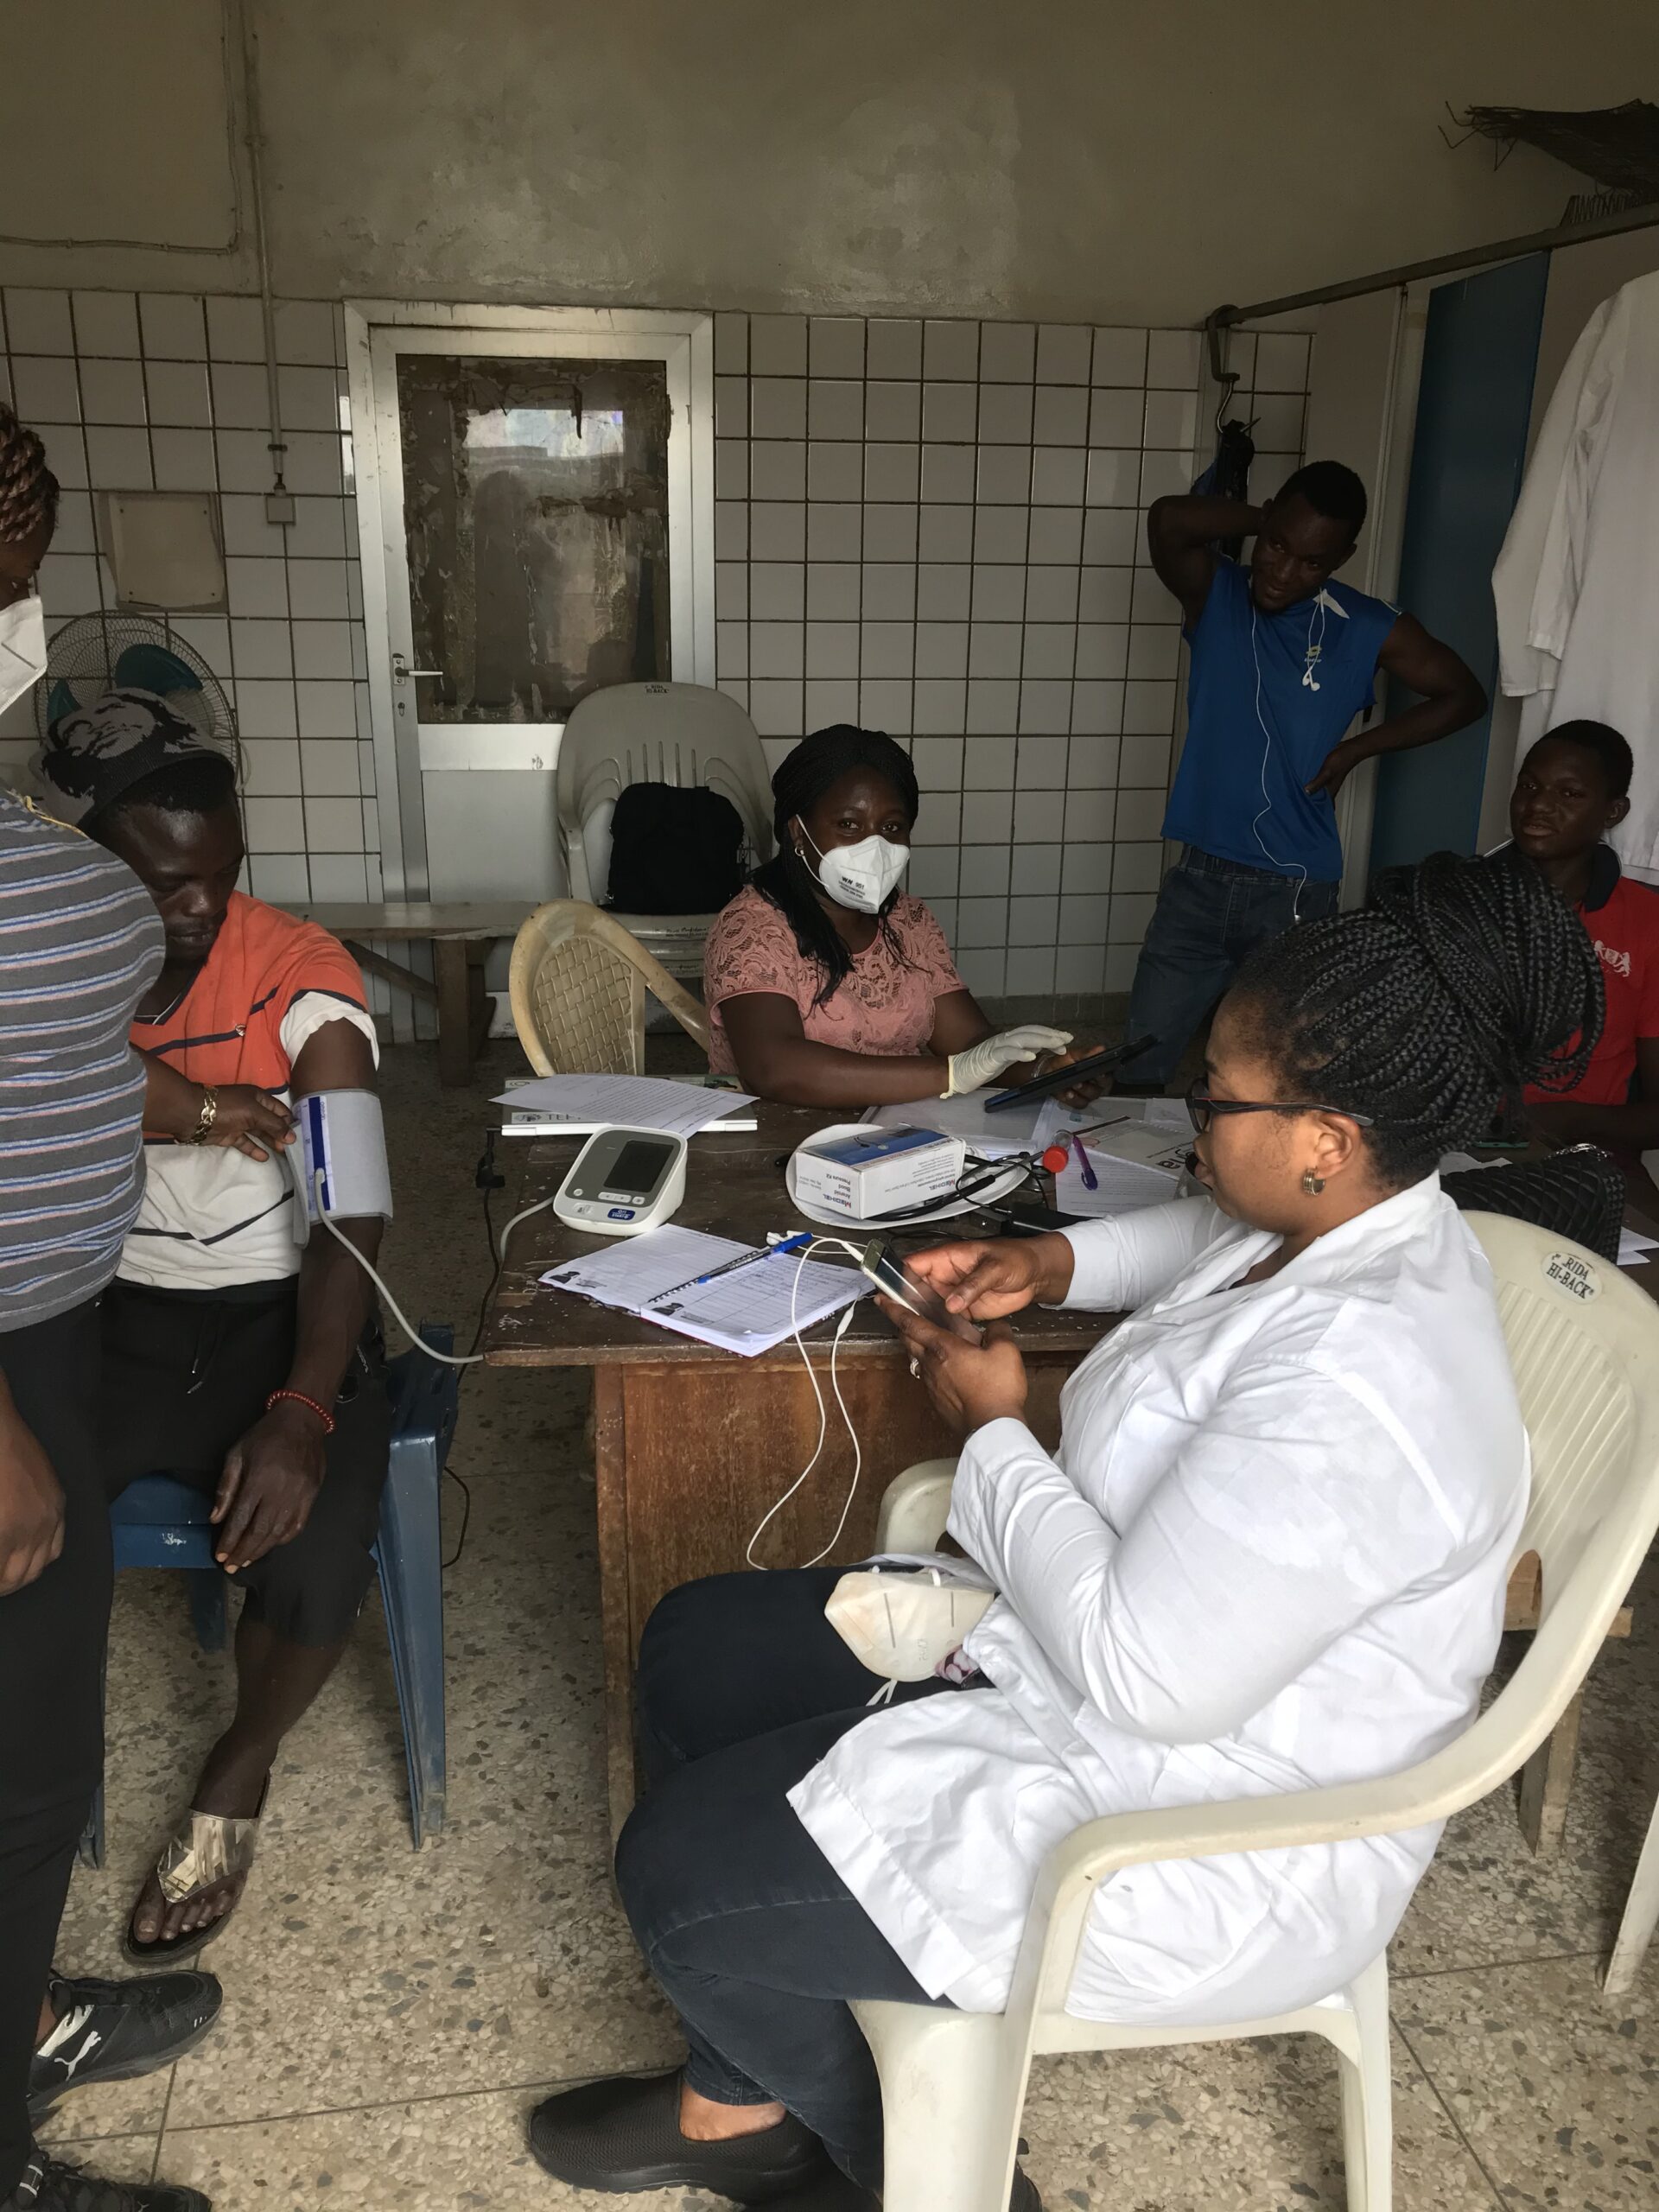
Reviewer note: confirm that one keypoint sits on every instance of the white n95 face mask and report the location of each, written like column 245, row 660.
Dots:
column 23, row 648
column 861, row 875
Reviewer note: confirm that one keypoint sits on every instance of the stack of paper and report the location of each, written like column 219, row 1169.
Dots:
column 1634, row 1247
column 577, row 1105
column 745, row 1309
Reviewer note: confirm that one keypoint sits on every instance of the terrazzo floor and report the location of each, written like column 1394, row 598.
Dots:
column 390, row 2019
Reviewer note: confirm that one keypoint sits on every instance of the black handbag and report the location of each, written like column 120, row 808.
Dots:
column 676, row 848
column 1578, row 1192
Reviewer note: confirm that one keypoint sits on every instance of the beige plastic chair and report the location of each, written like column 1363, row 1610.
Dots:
column 578, row 987
column 678, row 734
column 1585, row 1346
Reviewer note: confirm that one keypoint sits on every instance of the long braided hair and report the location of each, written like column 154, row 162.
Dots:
column 791, row 882
column 1461, row 981
column 28, row 490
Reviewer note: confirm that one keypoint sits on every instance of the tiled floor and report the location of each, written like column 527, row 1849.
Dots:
column 389, row 2019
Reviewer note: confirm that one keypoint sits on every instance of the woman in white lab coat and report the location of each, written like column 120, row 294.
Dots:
column 1268, row 1554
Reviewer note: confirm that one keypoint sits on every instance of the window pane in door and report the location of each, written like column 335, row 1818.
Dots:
column 535, row 508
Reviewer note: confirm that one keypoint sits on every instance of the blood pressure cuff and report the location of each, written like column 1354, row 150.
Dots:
column 340, row 1161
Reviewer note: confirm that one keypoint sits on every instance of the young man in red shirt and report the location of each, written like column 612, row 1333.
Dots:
column 1574, row 787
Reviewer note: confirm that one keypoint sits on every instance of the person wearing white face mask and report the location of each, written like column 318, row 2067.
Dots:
column 826, row 984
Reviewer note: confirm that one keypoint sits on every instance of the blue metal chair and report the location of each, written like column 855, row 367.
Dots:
column 159, row 1522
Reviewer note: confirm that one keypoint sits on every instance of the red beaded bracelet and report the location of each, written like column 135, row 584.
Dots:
column 300, row 1399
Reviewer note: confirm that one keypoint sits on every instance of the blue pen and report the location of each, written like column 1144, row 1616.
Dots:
column 746, row 1259
column 1090, row 1180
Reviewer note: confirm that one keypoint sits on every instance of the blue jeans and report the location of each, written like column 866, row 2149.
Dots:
column 742, row 1687
column 1211, row 914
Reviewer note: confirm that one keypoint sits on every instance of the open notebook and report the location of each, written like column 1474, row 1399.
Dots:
column 745, row 1309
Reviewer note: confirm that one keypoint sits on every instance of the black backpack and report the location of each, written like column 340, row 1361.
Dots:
column 674, row 850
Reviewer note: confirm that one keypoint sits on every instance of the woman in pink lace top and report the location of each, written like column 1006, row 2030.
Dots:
column 846, row 996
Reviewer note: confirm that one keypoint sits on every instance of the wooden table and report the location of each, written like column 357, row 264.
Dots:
column 691, row 1446
column 460, row 934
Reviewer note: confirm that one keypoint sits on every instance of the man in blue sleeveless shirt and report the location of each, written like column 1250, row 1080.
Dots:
column 1281, row 660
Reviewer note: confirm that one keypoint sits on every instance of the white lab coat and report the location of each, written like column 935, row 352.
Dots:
column 1270, row 1554
column 1578, row 580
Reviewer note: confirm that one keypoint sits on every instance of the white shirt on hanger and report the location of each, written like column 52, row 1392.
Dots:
column 1270, row 1554
column 1578, row 579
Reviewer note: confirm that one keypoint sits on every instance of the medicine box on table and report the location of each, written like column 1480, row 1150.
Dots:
column 878, row 1170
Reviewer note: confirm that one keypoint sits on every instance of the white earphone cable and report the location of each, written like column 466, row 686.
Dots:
column 1267, row 752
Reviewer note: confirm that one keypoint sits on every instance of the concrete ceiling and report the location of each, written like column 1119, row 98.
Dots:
column 1084, row 160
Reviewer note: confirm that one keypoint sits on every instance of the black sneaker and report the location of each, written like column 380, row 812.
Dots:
column 623, row 2134
column 49, row 2186
column 113, row 2030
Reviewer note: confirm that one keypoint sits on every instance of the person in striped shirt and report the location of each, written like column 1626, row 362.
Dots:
column 79, row 943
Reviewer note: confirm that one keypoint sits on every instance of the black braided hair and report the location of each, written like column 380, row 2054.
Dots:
column 791, row 882
column 28, row 490
column 1460, row 982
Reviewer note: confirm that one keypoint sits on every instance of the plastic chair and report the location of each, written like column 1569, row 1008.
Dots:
column 577, row 986
column 1585, row 1347
column 1640, row 1918
column 160, row 1522
column 656, row 734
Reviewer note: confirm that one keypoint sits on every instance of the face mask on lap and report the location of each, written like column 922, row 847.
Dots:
column 23, row 648
column 861, row 875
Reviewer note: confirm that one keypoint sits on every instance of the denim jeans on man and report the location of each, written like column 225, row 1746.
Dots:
column 742, row 1687
column 1211, row 914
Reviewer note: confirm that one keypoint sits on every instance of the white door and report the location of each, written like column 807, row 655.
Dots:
column 536, row 510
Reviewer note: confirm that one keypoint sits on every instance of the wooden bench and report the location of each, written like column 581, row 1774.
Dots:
column 460, row 934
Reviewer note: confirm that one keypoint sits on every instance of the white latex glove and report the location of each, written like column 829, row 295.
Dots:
column 983, row 1063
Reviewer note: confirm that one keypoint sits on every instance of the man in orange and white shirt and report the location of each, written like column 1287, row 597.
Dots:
column 234, row 1358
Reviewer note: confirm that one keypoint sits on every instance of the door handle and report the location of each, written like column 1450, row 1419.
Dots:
column 403, row 673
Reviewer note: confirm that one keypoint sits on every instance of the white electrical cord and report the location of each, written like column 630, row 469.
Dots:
column 449, row 1358
column 854, row 1252
column 471, row 1359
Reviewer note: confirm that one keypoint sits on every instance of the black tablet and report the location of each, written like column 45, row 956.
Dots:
column 1062, row 1078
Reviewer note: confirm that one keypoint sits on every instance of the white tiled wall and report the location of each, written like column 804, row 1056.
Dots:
column 167, row 390
column 938, row 529
column 934, row 528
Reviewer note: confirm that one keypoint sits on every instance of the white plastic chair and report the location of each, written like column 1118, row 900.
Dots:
column 680, row 733
column 1585, row 1347
column 1641, row 1917
column 577, row 984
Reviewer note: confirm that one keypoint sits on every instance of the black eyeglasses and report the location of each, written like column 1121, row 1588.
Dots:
column 1202, row 1109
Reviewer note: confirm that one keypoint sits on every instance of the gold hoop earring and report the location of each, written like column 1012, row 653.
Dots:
column 1313, row 1184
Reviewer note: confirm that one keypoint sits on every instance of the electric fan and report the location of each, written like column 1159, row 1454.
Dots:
column 95, row 653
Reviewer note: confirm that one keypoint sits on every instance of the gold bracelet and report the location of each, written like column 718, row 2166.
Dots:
column 206, row 1117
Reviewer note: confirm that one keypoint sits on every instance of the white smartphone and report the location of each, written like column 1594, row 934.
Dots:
column 892, row 1278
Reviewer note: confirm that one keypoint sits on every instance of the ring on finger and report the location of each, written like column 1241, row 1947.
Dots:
column 915, row 1366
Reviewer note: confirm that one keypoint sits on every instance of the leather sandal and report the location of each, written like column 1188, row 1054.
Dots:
column 623, row 2134
column 207, row 1850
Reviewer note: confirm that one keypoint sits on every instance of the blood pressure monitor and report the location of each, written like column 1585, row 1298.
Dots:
column 624, row 1180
